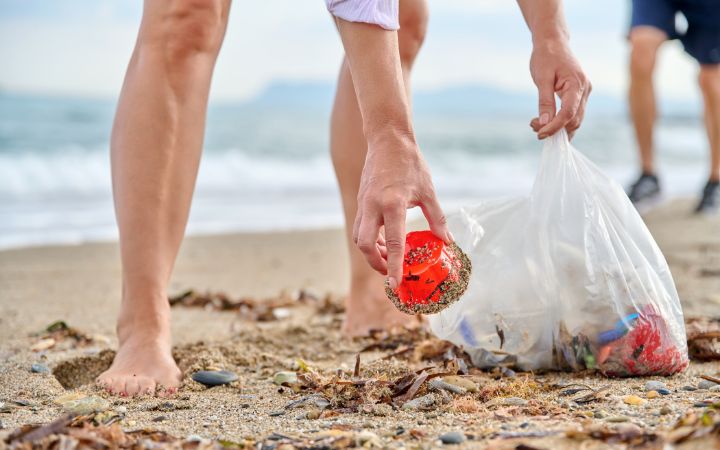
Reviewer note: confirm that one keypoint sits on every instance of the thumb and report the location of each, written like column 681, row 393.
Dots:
column 546, row 102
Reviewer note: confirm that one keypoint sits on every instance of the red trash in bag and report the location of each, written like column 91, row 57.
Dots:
column 434, row 275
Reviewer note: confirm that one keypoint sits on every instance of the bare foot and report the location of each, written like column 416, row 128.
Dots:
column 143, row 364
column 368, row 308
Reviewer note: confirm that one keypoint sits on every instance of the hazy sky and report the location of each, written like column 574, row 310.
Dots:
column 82, row 46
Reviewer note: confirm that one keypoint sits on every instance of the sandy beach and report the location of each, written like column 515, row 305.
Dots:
column 80, row 286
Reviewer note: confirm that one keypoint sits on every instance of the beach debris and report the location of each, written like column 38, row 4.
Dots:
column 703, row 337
column 43, row 344
column 654, row 385
column 59, row 332
column 439, row 384
column 212, row 378
column 82, row 405
column 285, row 378
column 513, row 401
column 706, row 384
column 435, row 275
column 424, row 402
column 260, row 310
column 39, row 368
column 452, row 437
column 634, row 400
column 462, row 382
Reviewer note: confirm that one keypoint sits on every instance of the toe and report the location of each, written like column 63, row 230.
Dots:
column 146, row 386
column 132, row 386
column 117, row 387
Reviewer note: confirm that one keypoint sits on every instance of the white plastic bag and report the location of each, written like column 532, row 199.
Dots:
column 568, row 278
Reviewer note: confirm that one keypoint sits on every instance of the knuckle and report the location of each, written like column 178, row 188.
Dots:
column 394, row 244
column 365, row 246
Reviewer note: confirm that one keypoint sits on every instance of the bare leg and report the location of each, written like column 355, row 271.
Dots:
column 155, row 150
column 367, row 306
column 710, row 86
column 645, row 43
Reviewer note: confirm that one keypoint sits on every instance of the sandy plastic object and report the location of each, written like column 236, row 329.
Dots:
column 566, row 278
column 434, row 275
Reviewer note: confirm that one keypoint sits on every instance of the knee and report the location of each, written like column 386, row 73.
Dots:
column 413, row 28
column 188, row 28
column 709, row 80
column 642, row 60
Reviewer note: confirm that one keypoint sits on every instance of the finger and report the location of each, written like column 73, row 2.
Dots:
column 546, row 101
column 436, row 219
column 394, row 218
column 535, row 124
column 570, row 98
column 367, row 242
column 356, row 225
column 575, row 123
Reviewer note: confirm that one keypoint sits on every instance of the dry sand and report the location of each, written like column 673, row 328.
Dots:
column 79, row 284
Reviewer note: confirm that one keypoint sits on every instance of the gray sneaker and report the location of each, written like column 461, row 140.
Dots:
column 647, row 187
column 710, row 199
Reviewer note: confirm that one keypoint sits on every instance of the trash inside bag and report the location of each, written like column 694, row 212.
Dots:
column 568, row 278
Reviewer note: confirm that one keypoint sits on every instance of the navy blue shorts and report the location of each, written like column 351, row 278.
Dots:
column 702, row 38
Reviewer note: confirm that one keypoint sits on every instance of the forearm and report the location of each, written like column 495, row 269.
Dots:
column 372, row 53
column 545, row 20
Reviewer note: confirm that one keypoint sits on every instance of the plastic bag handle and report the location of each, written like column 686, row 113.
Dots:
column 559, row 140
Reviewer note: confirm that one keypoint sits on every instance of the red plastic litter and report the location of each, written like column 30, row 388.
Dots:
column 434, row 275
column 647, row 349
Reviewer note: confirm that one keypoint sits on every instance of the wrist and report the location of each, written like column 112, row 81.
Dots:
column 390, row 133
column 552, row 37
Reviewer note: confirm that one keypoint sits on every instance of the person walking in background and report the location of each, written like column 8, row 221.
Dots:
column 157, row 140
column 652, row 24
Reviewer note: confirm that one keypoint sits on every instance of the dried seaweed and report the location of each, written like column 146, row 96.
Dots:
column 703, row 336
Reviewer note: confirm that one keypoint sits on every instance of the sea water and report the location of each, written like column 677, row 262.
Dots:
column 269, row 168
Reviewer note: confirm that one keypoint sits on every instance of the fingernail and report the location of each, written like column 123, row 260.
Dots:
column 542, row 136
column 544, row 118
column 392, row 283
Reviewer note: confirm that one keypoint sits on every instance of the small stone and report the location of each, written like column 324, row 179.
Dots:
column 159, row 419
column 617, row 419
column 452, row 437
column 39, row 368
column 462, row 382
column 445, row 386
column 283, row 378
column 600, row 414
column 715, row 388
column 86, row 405
column 663, row 392
column 706, row 384
column 652, row 394
column 633, row 400
column 654, row 385
column 131, row 423
column 121, row 410
column 43, row 344
column 194, row 438
column 514, row 401
column 689, row 388
column 313, row 414
column 368, row 439
column 665, row 410
column 214, row 377
column 425, row 401
column 276, row 413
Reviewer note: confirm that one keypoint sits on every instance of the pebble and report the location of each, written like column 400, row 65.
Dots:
column 663, row 391
column 276, row 413
column 444, row 385
column 600, row 414
column 281, row 378
column 194, row 438
column 313, row 414
column 689, row 388
column 633, row 400
column 706, row 384
column 214, row 377
column 652, row 394
column 514, row 401
column 39, row 368
column 86, row 405
column 462, row 382
column 617, row 419
column 715, row 388
column 452, row 437
column 369, row 439
column 654, row 385
column 159, row 419
column 121, row 410
column 421, row 402
column 665, row 410
column 43, row 344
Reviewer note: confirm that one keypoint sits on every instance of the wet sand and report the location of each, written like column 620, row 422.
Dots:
column 80, row 285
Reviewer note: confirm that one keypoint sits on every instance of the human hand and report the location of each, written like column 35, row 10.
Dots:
column 394, row 179
column 554, row 69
